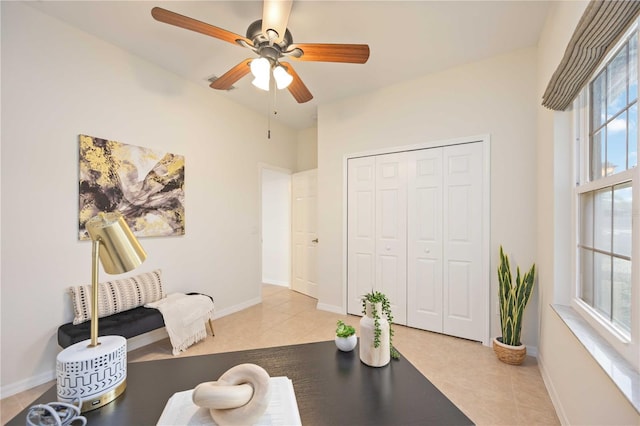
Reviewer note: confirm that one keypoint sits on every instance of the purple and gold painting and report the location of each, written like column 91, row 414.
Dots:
column 145, row 185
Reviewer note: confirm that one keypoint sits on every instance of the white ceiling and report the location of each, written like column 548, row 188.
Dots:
column 408, row 39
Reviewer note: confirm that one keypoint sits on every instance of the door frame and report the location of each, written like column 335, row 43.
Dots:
column 261, row 168
column 486, row 211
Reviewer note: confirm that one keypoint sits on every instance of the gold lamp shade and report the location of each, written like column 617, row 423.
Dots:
column 120, row 252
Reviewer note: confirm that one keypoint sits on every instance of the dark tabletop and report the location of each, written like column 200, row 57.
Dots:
column 331, row 388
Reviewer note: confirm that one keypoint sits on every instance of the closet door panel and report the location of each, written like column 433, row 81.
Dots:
column 464, row 310
column 459, row 291
column 361, row 241
column 391, row 231
column 424, row 244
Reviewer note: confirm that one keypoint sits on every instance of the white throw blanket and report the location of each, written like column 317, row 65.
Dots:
column 184, row 317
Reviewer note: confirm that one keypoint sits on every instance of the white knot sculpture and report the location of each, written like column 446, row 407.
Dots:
column 239, row 397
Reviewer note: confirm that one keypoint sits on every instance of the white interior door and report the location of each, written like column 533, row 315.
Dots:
column 424, row 256
column 305, row 234
column 391, row 231
column 464, row 299
column 361, row 231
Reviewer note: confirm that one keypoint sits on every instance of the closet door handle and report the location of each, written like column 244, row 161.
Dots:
column 314, row 240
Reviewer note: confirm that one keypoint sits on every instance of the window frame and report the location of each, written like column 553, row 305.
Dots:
column 627, row 345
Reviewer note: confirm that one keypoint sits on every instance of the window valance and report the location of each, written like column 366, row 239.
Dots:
column 599, row 27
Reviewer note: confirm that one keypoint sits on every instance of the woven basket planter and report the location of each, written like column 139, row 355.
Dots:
column 508, row 354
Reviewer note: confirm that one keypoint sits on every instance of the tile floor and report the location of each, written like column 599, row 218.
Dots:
column 486, row 390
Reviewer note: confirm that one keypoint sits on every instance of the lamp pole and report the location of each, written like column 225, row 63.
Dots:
column 94, row 293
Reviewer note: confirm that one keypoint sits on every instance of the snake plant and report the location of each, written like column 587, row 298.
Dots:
column 513, row 299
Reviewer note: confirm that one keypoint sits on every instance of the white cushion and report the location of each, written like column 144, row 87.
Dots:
column 117, row 296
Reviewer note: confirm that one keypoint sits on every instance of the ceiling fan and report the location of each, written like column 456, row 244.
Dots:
column 270, row 39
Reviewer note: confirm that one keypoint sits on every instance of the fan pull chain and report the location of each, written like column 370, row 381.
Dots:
column 275, row 109
column 275, row 101
column 269, row 113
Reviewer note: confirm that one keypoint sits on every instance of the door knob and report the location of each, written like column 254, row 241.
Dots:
column 314, row 241
column 387, row 248
column 427, row 251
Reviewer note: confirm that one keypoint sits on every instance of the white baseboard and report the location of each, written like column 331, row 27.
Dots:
column 28, row 383
column 33, row 381
column 132, row 344
column 330, row 308
column 533, row 351
column 145, row 339
column 553, row 394
column 236, row 308
column 275, row 282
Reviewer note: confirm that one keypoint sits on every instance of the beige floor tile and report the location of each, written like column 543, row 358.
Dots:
column 12, row 405
column 544, row 415
column 9, row 407
column 485, row 389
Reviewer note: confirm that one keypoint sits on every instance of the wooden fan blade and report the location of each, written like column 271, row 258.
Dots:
column 275, row 16
column 226, row 80
column 172, row 18
column 297, row 88
column 324, row 52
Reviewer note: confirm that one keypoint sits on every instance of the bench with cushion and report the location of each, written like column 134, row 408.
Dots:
column 130, row 323
column 121, row 307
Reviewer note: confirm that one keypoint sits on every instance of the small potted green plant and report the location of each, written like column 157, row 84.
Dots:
column 513, row 298
column 376, row 331
column 346, row 339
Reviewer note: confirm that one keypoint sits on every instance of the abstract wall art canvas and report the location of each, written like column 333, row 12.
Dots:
column 145, row 185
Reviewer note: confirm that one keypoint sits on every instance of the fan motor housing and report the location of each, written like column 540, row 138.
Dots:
column 261, row 41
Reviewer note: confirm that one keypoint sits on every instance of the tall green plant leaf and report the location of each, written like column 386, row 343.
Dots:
column 513, row 298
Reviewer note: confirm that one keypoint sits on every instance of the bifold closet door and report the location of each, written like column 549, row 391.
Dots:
column 464, row 303
column 445, row 282
column 415, row 228
column 424, row 250
column 361, row 230
column 391, row 231
column 376, row 222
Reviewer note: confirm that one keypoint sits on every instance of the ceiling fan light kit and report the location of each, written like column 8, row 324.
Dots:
column 270, row 39
column 261, row 68
column 282, row 77
column 262, row 83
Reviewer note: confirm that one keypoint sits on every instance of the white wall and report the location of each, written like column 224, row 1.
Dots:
column 307, row 155
column 276, row 227
column 58, row 82
column 495, row 97
column 580, row 390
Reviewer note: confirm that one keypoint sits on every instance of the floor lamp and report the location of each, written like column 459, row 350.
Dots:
column 95, row 370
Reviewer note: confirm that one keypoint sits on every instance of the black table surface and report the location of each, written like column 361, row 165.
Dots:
column 331, row 388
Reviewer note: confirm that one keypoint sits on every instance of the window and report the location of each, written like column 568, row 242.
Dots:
column 605, row 253
column 607, row 179
column 614, row 111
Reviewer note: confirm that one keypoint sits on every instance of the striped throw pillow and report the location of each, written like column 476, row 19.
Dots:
column 117, row 296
